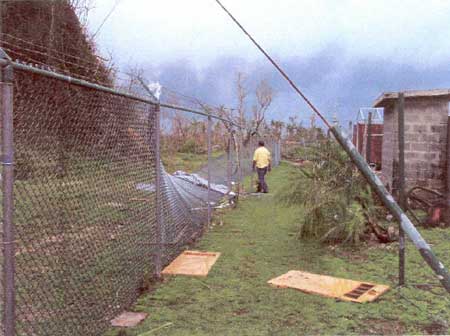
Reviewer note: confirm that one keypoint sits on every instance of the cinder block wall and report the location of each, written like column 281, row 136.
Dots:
column 425, row 142
column 390, row 145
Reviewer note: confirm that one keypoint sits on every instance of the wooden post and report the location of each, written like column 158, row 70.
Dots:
column 401, row 185
column 447, row 208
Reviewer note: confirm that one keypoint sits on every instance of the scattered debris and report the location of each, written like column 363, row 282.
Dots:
column 428, row 200
column 194, row 263
column 343, row 289
column 128, row 319
column 200, row 181
column 149, row 187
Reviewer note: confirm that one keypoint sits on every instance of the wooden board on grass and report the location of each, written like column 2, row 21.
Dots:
column 194, row 263
column 343, row 289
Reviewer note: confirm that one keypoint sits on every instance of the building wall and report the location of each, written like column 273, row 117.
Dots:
column 390, row 145
column 425, row 143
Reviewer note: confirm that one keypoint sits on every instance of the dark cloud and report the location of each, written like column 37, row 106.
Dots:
column 335, row 82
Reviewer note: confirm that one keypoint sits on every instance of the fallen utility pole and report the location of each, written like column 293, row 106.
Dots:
column 372, row 179
column 393, row 207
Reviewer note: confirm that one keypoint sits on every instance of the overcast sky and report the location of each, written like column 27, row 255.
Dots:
column 343, row 53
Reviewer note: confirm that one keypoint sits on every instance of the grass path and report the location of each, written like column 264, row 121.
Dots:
column 258, row 242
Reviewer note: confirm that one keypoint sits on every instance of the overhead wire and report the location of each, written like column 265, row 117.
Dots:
column 48, row 56
column 28, row 60
column 106, row 18
column 280, row 70
column 118, row 75
column 54, row 53
column 194, row 99
column 371, row 178
column 53, row 50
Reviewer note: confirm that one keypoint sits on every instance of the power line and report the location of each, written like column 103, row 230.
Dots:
column 280, row 70
column 9, row 47
column 53, row 50
column 105, row 19
column 195, row 100
column 30, row 61
column 62, row 61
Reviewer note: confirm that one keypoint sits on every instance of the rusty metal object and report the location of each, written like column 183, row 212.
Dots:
column 430, row 201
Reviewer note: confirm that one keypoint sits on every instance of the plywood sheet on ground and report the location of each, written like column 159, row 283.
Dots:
column 195, row 263
column 343, row 289
column 128, row 319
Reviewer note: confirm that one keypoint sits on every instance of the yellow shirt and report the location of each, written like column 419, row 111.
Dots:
column 262, row 157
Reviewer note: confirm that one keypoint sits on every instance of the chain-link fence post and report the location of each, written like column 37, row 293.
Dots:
column 229, row 163
column 279, row 151
column 276, row 152
column 158, row 194
column 8, row 299
column 275, row 160
column 239, row 162
column 209, row 132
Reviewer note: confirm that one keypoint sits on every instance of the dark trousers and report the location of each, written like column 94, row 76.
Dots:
column 262, row 185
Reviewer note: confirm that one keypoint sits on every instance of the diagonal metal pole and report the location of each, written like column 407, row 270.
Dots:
column 393, row 207
column 372, row 179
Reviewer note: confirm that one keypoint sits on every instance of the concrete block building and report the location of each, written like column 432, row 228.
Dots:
column 426, row 156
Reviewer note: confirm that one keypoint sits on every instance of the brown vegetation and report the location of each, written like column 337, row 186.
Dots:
column 49, row 34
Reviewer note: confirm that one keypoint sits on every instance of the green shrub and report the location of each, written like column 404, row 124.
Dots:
column 192, row 146
column 336, row 199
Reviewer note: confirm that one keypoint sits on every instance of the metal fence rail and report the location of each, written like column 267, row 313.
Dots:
column 94, row 215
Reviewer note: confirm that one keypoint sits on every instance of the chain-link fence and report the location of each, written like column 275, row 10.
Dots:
column 93, row 218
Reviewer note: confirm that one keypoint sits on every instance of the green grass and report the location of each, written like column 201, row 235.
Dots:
column 258, row 241
column 77, row 236
column 188, row 162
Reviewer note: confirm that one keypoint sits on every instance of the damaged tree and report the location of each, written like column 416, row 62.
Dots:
column 330, row 216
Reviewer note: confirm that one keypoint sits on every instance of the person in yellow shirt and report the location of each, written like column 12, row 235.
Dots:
column 262, row 164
